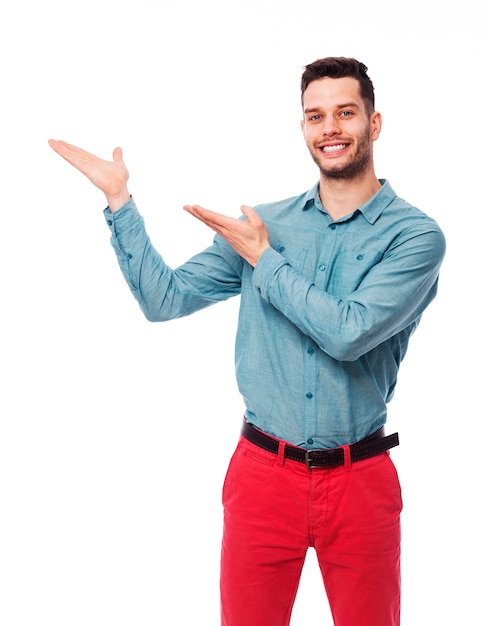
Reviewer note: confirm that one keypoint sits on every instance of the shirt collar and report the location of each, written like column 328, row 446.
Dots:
column 371, row 210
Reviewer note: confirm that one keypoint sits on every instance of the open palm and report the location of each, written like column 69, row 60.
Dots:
column 109, row 176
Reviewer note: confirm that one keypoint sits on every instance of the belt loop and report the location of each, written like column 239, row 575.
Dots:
column 281, row 453
column 347, row 458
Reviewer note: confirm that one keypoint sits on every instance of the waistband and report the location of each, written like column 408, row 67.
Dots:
column 377, row 443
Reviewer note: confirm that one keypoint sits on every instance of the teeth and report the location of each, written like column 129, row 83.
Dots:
column 340, row 146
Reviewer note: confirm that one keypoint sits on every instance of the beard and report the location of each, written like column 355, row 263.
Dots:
column 356, row 165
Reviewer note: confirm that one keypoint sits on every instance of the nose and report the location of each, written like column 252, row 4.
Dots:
column 330, row 127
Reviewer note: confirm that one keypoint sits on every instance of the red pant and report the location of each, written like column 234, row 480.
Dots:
column 274, row 509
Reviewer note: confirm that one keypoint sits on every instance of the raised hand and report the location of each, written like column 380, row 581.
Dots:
column 249, row 238
column 109, row 176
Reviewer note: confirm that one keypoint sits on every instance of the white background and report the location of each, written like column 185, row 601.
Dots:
column 107, row 517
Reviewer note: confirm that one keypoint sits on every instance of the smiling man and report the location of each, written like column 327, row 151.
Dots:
column 339, row 126
column 333, row 282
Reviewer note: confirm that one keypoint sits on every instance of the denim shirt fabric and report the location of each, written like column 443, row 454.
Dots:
column 325, row 316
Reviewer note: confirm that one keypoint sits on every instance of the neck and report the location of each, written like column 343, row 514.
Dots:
column 342, row 197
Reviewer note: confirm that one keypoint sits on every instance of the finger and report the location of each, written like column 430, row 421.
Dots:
column 191, row 209
column 215, row 221
column 65, row 148
column 61, row 147
column 205, row 215
column 56, row 143
column 117, row 154
column 72, row 154
column 195, row 211
column 250, row 213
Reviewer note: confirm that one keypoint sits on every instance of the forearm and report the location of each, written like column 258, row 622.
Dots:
column 164, row 293
column 391, row 297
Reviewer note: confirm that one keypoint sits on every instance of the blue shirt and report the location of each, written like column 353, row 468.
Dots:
column 325, row 316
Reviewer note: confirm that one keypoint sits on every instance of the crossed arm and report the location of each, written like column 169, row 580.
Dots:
column 249, row 238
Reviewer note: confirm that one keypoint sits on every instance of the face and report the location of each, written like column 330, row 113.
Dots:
column 337, row 129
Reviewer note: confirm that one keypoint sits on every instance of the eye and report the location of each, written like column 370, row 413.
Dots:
column 315, row 118
column 346, row 113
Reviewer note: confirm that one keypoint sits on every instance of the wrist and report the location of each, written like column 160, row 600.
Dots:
column 256, row 256
column 117, row 201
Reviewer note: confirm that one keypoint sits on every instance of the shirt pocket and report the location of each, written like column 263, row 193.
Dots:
column 349, row 268
column 296, row 255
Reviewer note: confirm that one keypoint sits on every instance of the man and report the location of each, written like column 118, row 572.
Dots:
column 333, row 283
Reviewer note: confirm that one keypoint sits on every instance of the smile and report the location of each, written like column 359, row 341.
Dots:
column 335, row 148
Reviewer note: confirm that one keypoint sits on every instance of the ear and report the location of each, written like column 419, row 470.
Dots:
column 376, row 123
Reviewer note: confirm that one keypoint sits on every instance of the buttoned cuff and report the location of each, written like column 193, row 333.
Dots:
column 120, row 218
column 265, row 270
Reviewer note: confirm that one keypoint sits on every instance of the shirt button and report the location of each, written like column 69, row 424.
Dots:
column 281, row 248
column 310, row 350
column 110, row 222
column 310, row 441
column 309, row 395
column 332, row 226
column 322, row 267
column 359, row 257
column 129, row 256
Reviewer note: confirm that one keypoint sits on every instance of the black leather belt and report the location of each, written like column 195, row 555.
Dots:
column 377, row 443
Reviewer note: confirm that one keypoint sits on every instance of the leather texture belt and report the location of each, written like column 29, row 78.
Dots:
column 377, row 443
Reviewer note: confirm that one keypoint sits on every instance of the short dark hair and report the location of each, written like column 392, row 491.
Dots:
column 340, row 67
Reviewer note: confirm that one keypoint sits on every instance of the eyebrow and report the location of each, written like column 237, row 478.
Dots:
column 346, row 105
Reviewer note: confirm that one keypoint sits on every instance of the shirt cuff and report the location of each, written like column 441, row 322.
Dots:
column 116, row 221
column 268, row 265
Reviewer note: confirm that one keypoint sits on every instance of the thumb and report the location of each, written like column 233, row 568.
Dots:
column 250, row 213
column 117, row 154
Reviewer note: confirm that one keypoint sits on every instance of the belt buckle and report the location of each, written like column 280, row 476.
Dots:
column 308, row 460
